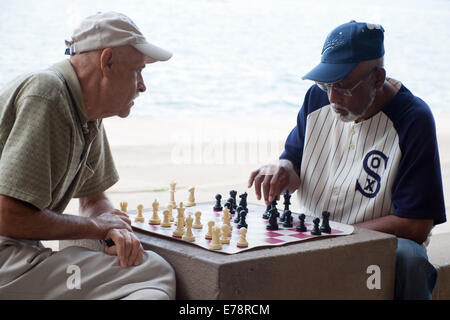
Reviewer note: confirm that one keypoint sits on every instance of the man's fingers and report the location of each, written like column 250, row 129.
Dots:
column 252, row 178
column 266, row 188
column 274, row 186
column 258, row 180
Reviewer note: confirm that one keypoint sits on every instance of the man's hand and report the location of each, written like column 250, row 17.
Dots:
column 114, row 219
column 126, row 247
column 274, row 178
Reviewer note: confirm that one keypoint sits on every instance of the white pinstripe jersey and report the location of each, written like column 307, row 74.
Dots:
column 388, row 164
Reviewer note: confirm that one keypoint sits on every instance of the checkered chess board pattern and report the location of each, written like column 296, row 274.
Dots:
column 257, row 234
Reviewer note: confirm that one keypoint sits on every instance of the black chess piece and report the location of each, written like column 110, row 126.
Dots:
column 301, row 226
column 238, row 216
column 228, row 205
column 231, row 207
column 288, row 219
column 243, row 202
column 266, row 213
column 242, row 223
column 286, row 203
column 316, row 230
column 233, row 194
column 273, row 223
column 325, row 227
column 218, row 206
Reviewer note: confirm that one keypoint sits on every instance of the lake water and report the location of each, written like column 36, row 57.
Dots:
column 237, row 56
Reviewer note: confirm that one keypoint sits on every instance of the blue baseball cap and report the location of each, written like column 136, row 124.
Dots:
column 345, row 47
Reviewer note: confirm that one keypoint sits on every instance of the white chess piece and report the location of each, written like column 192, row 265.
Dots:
column 215, row 242
column 172, row 195
column 208, row 235
column 179, row 231
column 189, row 236
column 166, row 220
column 155, row 218
column 225, row 234
column 140, row 216
column 242, row 240
column 169, row 208
column 226, row 217
column 180, row 216
column 197, row 223
column 123, row 206
column 191, row 199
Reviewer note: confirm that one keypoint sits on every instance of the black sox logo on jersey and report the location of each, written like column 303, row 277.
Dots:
column 372, row 161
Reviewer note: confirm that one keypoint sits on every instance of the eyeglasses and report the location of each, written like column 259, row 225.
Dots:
column 343, row 91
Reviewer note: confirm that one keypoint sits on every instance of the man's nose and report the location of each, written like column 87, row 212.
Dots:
column 141, row 85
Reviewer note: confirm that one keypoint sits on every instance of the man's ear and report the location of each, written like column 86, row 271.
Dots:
column 106, row 61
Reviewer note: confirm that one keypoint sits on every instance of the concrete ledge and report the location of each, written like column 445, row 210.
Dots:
column 327, row 268
column 439, row 255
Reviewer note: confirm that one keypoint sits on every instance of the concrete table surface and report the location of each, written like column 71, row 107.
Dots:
column 357, row 266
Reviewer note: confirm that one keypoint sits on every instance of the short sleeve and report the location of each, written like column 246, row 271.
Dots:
column 417, row 190
column 101, row 164
column 35, row 154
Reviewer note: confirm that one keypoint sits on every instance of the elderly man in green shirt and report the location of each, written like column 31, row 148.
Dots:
column 53, row 148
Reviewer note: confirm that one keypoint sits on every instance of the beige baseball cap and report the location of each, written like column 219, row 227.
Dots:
column 112, row 29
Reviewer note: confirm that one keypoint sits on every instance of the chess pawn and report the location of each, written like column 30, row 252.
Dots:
column 208, row 235
column 301, row 225
column 325, row 227
column 215, row 242
column 218, row 206
column 170, row 208
column 225, row 239
column 197, row 223
column 316, row 230
column 155, row 218
column 166, row 220
column 242, row 243
column 191, row 199
column 242, row 222
column 123, row 206
column 189, row 236
column 288, row 219
column 140, row 216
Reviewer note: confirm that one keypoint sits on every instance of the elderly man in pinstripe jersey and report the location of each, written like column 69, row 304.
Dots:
column 364, row 149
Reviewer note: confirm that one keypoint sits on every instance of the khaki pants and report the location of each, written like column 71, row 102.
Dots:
column 30, row 271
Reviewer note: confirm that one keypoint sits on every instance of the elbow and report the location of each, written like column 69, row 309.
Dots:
column 420, row 230
column 5, row 217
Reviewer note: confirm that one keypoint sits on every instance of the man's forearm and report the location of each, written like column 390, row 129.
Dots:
column 47, row 225
column 413, row 229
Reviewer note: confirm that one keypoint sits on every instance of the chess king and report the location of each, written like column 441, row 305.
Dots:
column 364, row 148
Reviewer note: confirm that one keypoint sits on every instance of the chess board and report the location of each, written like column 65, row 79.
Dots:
column 257, row 234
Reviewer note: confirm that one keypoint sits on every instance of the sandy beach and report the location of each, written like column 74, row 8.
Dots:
column 212, row 154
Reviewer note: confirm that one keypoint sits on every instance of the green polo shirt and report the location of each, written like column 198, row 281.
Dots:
column 49, row 152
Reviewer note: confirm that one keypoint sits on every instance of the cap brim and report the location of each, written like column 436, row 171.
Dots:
column 154, row 52
column 330, row 72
